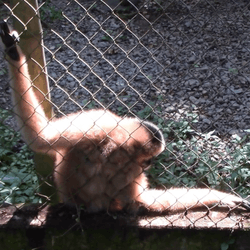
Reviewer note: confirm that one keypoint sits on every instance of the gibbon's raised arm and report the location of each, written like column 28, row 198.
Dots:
column 38, row 132
column 30, row 114
column 100, row 157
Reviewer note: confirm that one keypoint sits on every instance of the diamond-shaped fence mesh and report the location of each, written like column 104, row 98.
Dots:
column 182, row 65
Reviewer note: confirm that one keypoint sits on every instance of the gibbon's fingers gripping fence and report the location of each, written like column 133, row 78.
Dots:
column 182, row 65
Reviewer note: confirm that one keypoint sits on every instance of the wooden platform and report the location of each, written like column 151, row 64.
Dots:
column 49, row 226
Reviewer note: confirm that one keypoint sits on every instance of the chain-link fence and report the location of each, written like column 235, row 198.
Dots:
column 182, row 65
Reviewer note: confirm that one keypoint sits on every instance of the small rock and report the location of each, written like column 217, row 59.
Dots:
column 207, row 121
column 193, row 100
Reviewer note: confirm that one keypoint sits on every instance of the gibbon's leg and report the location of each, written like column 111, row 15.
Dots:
column 182, row 199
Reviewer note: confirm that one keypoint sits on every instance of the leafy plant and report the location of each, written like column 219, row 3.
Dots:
column 18, row 180
column 196, row 159
column 107, row 36
column 193, row 159
column 3, row 71
column 48, row 10
column 233, row 71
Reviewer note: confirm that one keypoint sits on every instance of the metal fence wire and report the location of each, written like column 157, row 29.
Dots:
column 182, row 65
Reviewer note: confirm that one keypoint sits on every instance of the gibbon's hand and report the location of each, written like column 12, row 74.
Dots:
column 10, row 40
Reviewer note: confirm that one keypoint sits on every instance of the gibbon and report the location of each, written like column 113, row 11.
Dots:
column 100, row 157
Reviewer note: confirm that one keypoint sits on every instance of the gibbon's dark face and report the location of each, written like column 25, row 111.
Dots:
column 155, row 131
column 146, row 141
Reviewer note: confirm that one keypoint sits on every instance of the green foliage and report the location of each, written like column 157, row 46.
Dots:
column 193, row 159
column 233, row 71
column 107, row 36
column 18, row 180
column 48, row 10
column 3, row 71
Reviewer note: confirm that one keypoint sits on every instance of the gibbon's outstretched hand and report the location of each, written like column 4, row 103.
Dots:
column 100, row 157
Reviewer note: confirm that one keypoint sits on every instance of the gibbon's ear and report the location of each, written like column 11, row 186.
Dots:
column 9, row 40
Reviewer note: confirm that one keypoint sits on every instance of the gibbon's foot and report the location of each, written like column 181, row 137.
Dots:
column 233, row 202
column 9, row 39
column 244, row 204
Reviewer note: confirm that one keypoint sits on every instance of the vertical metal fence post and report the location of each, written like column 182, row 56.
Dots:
column 27, row 22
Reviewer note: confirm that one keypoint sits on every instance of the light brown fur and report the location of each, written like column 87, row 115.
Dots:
column 101, row 157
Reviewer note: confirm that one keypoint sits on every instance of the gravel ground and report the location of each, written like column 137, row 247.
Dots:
column 185, row 57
